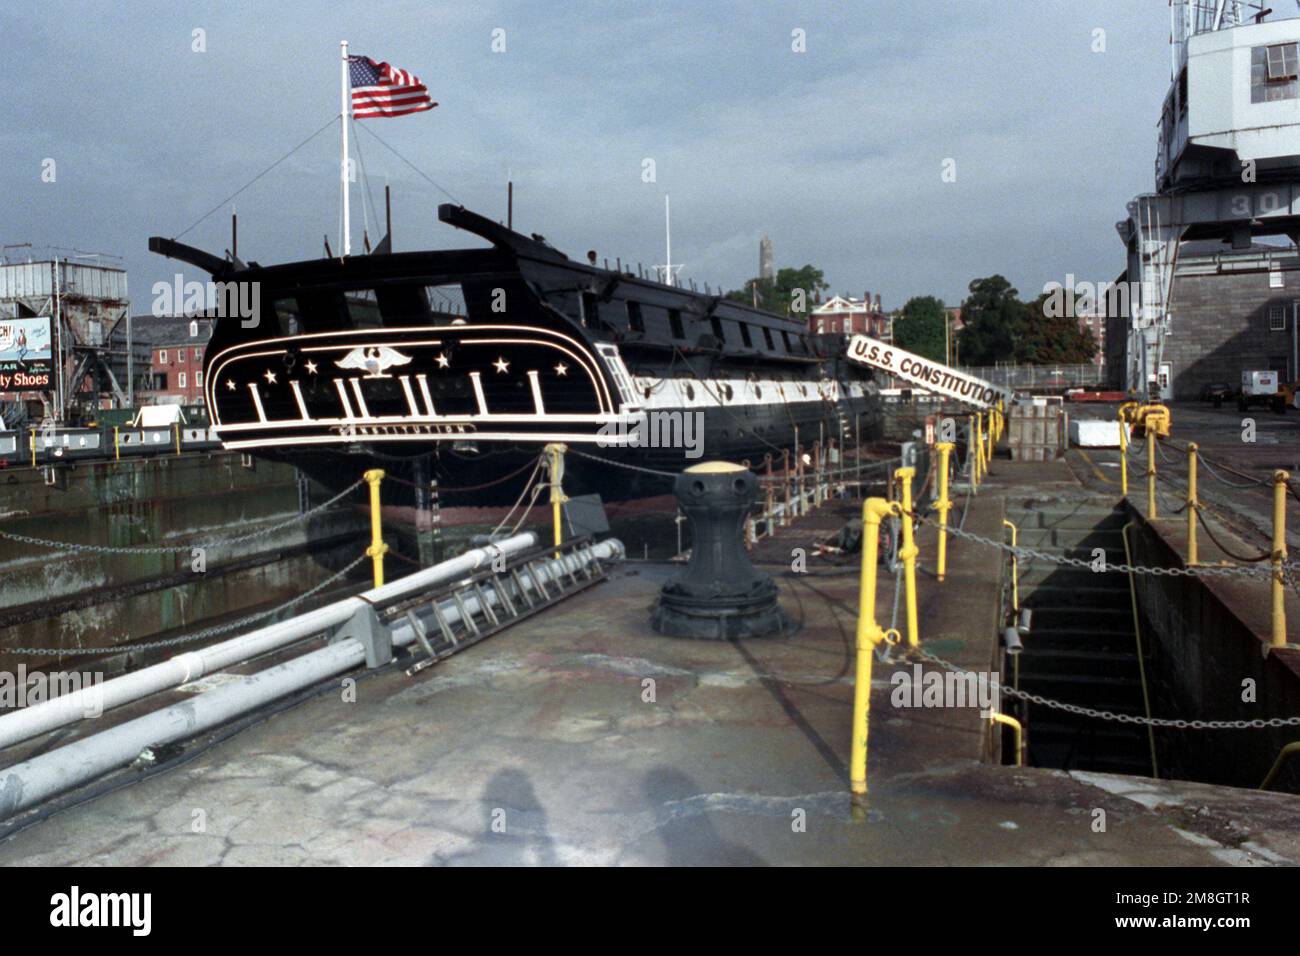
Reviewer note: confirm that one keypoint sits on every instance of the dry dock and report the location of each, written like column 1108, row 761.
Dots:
column 580, row 737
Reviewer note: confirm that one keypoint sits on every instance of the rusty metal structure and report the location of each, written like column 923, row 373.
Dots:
column 89, row 311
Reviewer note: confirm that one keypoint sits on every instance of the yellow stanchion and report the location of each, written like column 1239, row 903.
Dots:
column 1287, row 751
column 1192, row 504
column 555, row 458
column 943, row 505
column 117, row 446
column 869, row 634
column 377, row 548
column 1151, row 474
column 979, row 444
column 1015, row 565
column 1280, row 478
column 1123, row 455
column 908, row 553
column 177, row 430
column 997, row 718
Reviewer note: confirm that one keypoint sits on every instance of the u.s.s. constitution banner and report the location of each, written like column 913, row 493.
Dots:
column 926, row 373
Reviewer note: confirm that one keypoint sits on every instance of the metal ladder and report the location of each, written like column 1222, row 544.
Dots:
column 490, row 601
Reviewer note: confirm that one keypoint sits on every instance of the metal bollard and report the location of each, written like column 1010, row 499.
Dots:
column 1191, row 502
column 798, row 470
column 908, row 553
column 817, row 473
column 943, row 505
column 979, row 444
column 1151, row 473
column 988, row 458
column 377, row 548
column 1280, row 479
column 869, row 634
column 785, row 480
column 555, row 459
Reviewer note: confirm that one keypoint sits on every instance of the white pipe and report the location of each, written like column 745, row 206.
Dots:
column 43, row 776
column 94, row 700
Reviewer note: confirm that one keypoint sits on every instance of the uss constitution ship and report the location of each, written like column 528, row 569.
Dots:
column 461, row 364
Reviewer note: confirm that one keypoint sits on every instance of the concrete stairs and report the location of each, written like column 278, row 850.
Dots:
column 1081, row 648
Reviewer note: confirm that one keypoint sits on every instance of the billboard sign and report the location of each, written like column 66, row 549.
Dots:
column 26, row 354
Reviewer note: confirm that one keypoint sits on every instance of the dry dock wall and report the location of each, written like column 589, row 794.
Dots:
column 51, row 598
column 1205, row 638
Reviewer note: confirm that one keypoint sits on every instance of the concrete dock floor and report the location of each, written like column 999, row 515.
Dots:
column 579, row 737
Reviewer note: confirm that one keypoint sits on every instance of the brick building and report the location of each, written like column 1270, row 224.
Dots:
column 847, row 316
column 1093, row 321
column 176, row 345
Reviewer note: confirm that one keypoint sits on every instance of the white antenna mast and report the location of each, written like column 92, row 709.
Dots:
column 668, row 271
column 345, row 114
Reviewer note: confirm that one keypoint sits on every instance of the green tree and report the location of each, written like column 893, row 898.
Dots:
column 920, row 328
column 993, row 321
column 1053, row 340
column 782, row 294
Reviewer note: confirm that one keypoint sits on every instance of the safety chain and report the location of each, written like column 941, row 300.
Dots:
column 1202, row 460
column 620, row 464
column 1108, row 566
column 177, row 549
column 445, row 489
column 197, row 635
column 1177, row 723
column 829, row 473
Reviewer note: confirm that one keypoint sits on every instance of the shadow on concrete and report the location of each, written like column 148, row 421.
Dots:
column 683, row 824
column 774, row 686
column 515, row 827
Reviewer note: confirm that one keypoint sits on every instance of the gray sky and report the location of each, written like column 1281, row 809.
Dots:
column 836, row 152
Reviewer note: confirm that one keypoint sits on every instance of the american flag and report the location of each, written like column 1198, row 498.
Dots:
column 379, row 89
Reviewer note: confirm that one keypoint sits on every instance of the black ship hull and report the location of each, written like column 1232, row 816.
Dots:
column 465, row 476
column 460, row 366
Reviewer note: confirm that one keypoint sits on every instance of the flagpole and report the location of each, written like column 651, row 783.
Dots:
column 345, row 114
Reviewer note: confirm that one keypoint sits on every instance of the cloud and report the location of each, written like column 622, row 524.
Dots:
column 835, row 153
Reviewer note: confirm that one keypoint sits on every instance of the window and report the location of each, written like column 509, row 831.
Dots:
column 675, row 322
column 590, row 310
column 194, row 328
column 717, row 330
column 1277, row 318
column 1282, row 61
column 162, row 356
column 744, row 335
column 180, row 356
column 180, row 380
column 785, row 338
column 362, row 309
column 198, row 379
column 1273, row 72
column 767, row 337
column 634, row 320
column 198, row 355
